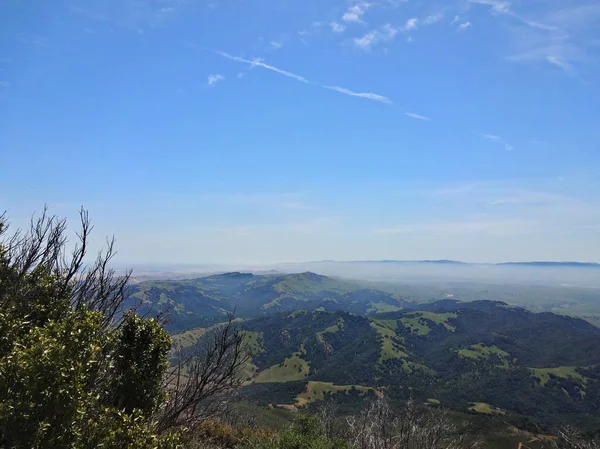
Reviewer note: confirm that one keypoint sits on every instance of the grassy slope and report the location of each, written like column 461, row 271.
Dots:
column 481, row 351
column 486, row 409
column 315, row 391
column 291, row 369
column 330, row 330
column 417, row 321
column 564, row 372
column 303, row 285
column 389, row 348
column 188, row 338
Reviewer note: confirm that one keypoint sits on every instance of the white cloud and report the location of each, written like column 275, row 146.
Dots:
column 240, row 75
column 366, row 41
column 368, row 96
column 355, row 12
column 495, row 138
column 276, row 45
column 464, row 26
column 417, row 116
column 388, row 31
column 411, row 24
column 337, row 27
column 492, row 137
column 456, row 19
column 213, row 79
column 383, row 34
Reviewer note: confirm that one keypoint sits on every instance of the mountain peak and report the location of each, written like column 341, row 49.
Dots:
column 233, row 275
column 308, row 275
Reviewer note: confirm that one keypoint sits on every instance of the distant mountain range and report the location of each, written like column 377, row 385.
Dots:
column 204, row 300
column 456, row 262
column 553, row 264
column 195, row 301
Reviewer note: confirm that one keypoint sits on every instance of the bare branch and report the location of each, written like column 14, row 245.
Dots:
column 41, row 251
column 413, row 427
column 205, row 377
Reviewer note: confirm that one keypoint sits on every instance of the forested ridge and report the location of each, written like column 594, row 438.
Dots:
column 539, row 366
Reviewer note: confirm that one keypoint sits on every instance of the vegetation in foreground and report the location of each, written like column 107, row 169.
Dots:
column 79, row 370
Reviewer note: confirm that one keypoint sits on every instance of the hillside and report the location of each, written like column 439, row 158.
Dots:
column 196, row 301
column 481, row 357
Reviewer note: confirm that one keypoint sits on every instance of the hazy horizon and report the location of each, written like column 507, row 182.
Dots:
column 398, row 273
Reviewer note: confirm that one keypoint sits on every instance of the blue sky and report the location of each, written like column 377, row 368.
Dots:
column 253, row 131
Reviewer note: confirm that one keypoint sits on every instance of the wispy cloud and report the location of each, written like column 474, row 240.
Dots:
column 556, row 37
column 40, row 41
column 342, row 90
column 456, row 19
column 465, row 25
column 369, row 96
column 433, row 18
column 494, row 227
column 560, row 62
column 383, row 34
column 132, row 15
column 526, row 197
column 314, row 28
column 497, row 6
column 267, row 200
column 355, row 12
column 417, row 116
column 499, row 139
column 276, row 45
column 259, row 63
column 337, row 27
column 213, row 79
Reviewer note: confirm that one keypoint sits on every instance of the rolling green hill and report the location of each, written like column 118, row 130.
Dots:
column 480, row 357
column 195, row 302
